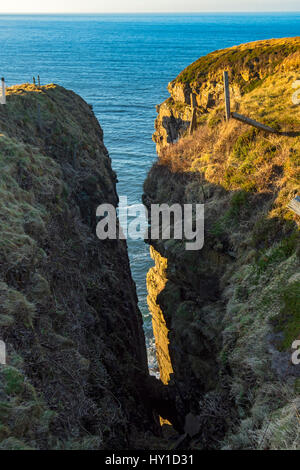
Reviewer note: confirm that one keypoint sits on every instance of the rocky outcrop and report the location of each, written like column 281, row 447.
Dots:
column 229, row 313
column 172, row 121
column 76, row 370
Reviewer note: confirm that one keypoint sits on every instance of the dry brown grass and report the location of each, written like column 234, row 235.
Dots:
column 237, row 156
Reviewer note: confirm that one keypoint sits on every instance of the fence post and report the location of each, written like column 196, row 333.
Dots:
column 3, row 96
column 226, row 95
column 39, row 81
column 193, row 123
column 193, row 100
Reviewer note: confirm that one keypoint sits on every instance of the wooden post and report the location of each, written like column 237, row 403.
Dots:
column 39, row 120
column 33, row 79
column 295, row 97
column 193, row 123
column 226, row 95
column 39, row 81
column 3, row 96
column 193, row 100
column 252, row 122
column 75, row 156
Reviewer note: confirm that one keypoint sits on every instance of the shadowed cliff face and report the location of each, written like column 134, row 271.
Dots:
column 76, row 367
column 225, row 317
column 229, row 313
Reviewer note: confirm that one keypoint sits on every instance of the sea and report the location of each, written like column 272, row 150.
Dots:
column 121, row 64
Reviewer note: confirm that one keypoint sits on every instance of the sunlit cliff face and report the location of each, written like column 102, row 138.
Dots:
column 232, row 307
column 156, row 281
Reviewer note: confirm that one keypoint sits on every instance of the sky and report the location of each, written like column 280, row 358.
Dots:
column 129, row 6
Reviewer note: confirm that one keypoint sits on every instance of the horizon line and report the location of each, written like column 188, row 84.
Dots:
column 143, row 12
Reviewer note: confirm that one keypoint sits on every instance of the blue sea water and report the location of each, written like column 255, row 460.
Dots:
column 122, row 64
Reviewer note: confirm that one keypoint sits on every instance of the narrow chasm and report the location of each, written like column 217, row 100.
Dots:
column 225, row 317
column 76, row 374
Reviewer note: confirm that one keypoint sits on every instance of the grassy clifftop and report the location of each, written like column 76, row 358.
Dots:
column 260, row 76
column 232, row 309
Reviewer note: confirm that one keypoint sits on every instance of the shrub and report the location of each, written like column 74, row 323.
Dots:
column 288, row 321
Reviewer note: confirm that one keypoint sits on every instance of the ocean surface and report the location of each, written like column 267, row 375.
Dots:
column 121, row 64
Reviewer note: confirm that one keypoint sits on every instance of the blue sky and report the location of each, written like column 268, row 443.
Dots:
column 107, row 6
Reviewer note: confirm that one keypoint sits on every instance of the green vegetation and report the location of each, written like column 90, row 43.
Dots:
column 261, row 55
column 252, row 85
column 288, row 320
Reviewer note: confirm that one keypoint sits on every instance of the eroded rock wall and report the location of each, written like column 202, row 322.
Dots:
column 76, row 357
column 230, row 311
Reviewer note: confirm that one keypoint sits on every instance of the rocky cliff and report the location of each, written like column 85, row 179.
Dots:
column 228, row 314
column 76, row 359
column 201, row 84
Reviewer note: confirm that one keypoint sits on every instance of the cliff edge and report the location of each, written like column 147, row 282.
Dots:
column 228, row 314
column 76, row 356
